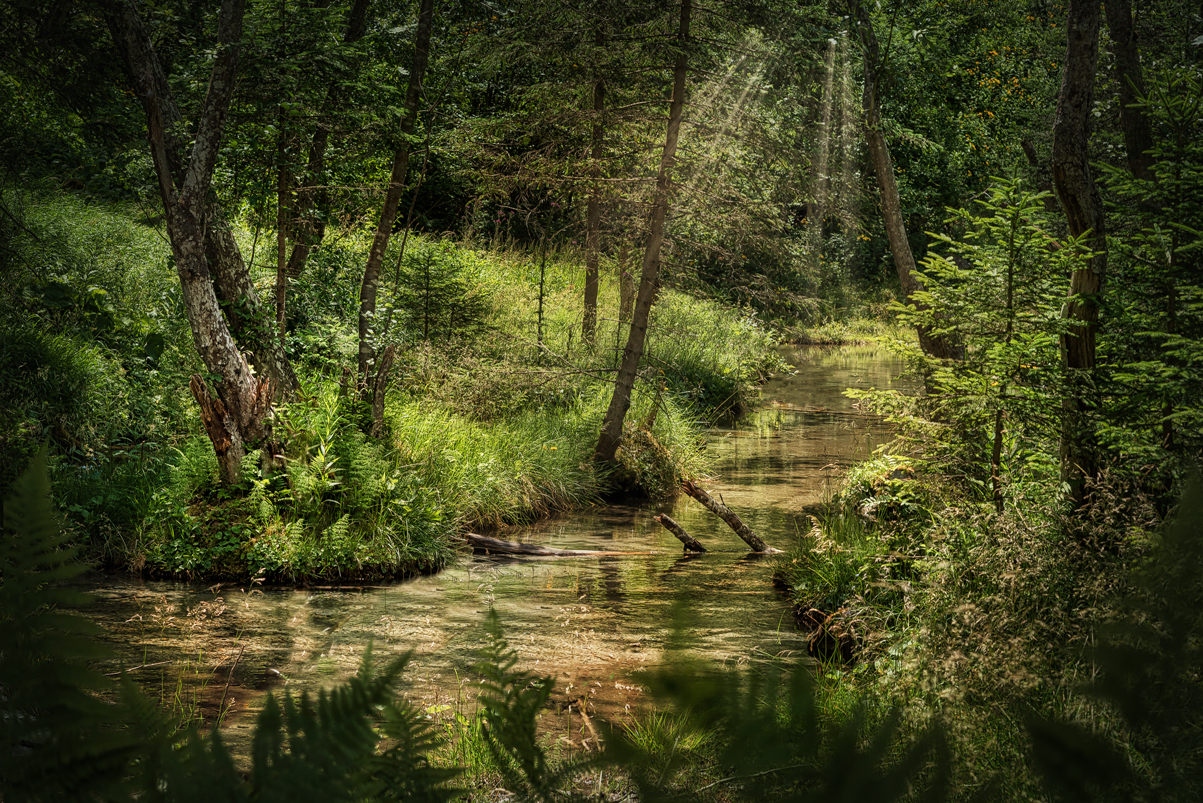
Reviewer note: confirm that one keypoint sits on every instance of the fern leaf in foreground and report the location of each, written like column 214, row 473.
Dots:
column 59, row 739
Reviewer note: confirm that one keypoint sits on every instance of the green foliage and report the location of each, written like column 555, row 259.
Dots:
column 56, row 732
column 997, row 291
column 339, row 506
column 711, row 358
column 436, row 297
column 1154, row 419
column 1149, row 655
column 783, row 746
column 512, row 701
column 87, row 352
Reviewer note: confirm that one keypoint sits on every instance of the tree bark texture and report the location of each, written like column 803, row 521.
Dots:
column 392, row 198
column 378, row 386
column 245, row 315
column 726, row 514
column 691, row 544
column 819, row 182
column 883, row 167
column 593, row 215
column 283, row 190
column 611, row 431
column 235, row 417
column 626, row 283
column 1138, row 136
column 1080, row 198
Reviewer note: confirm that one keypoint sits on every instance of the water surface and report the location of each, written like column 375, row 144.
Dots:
column 591, row 623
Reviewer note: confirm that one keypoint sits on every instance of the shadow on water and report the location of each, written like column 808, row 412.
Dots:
column 591, row 623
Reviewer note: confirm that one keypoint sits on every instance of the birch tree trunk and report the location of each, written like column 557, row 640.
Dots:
column 611, row 431
column 234, row 411
column 245, row 314
column 1080, row 198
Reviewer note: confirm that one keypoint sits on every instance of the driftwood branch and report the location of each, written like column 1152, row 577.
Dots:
column 496, row 546
column 692, row 544
column 723, row 512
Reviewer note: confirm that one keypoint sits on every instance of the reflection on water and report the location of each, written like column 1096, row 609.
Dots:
column 591, row 623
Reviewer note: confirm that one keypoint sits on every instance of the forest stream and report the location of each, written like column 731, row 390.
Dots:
column 591, row 623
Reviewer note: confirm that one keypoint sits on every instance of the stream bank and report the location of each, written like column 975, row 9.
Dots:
column 590, row 623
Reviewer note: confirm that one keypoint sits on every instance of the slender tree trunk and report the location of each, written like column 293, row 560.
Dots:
column 883, row 167
column 308, row 228
column 820, row 183
column 245, row 316
column 282, row 186
column 1138, row 136
column 626, row 283
column 388, row 215
column 1083, row 207
column 593, row 213
column 234, row 417
column 611, row 431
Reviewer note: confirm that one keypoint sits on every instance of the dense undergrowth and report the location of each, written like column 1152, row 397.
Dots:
column 1130, row 731
column 952, row 581
column 491, row 416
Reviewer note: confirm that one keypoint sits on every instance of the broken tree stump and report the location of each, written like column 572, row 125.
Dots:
column 497, row 546
column 725, row 513
column 692, row 544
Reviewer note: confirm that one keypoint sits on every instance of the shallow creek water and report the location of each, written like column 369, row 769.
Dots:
column 591, row 623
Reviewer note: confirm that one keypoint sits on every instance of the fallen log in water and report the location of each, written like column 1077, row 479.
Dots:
column 685, row 538
column 496, row 546
column 723, row 512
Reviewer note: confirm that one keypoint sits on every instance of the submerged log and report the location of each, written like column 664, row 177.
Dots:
column 685, row 538
column 496, row 546
column 725, row 513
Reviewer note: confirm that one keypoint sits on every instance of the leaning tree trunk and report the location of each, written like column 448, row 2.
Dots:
column 883, row 167
column 234, row 417
column 611, row 431
column 388, row 215
column 246, row 315
column 1083, row 207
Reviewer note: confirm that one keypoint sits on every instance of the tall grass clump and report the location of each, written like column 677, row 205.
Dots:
column 714, row 357
column 711, row 357
column 533, row 463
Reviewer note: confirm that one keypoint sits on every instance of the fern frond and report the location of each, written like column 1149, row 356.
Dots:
column 60, row 740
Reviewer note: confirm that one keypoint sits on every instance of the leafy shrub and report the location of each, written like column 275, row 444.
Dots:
column 52, row 388
column 339, row 507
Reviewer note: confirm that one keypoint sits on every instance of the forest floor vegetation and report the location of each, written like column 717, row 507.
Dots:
column 491, row 416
